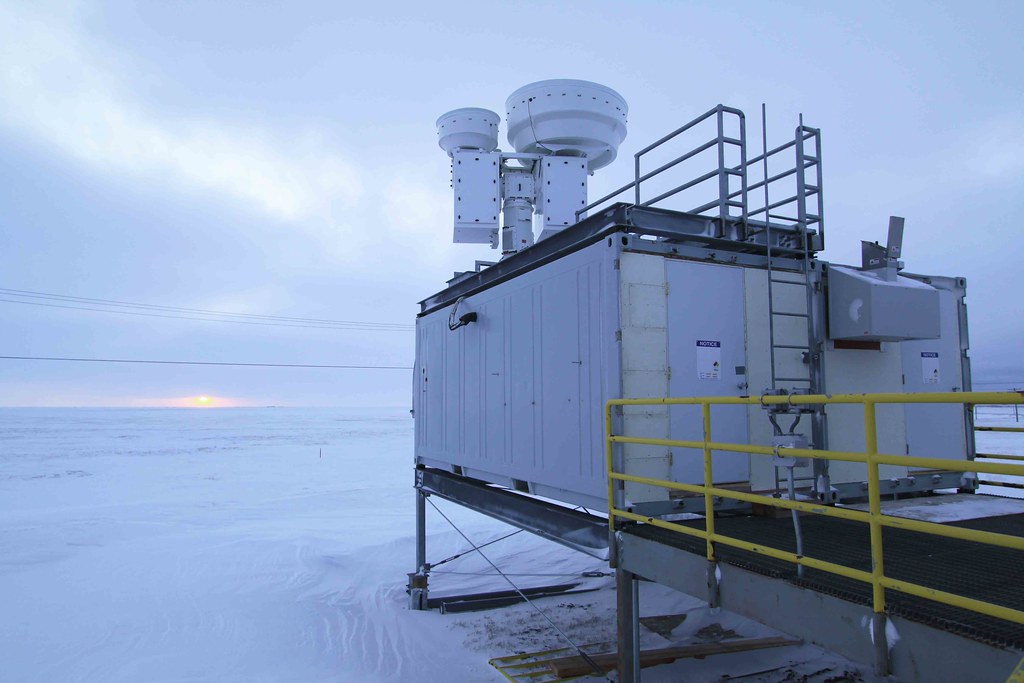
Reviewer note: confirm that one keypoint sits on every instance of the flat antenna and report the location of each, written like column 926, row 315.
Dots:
column 894, row 245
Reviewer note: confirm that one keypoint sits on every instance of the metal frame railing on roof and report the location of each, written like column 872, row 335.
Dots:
column 803, row 161
column 723, row 172
column 727, row 199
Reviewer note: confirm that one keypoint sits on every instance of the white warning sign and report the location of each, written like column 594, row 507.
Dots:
column 709, row 359
column 930, row 367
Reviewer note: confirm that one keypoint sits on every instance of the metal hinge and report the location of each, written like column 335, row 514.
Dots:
column 669, row 372
column 615, row 264
column 618, row 335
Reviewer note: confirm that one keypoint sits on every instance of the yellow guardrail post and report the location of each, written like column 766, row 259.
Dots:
column 714, row 597
column 709, row 482
column 875, row 523
column 610, row 455
column 874, row 506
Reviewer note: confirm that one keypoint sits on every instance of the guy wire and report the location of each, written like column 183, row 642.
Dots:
column 587, row 658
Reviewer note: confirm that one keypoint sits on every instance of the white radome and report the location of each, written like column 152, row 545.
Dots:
column 567, row 117
column 468, row 128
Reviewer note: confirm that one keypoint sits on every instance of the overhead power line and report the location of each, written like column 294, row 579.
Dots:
column 363, row 327
column 114, row 306
column 196, row 362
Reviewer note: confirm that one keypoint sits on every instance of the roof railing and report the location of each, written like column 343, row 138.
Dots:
column 734, row 204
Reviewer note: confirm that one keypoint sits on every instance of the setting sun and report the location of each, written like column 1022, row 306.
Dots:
column 193, row 401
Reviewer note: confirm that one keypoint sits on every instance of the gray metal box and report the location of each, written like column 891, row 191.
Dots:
column 864, row 305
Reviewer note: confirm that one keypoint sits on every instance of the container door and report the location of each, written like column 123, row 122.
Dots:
column 706, row 357
column 936, row 430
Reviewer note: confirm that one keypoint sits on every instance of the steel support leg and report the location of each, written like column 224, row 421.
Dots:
column 418, row 579
column 881, row 643
column 714, row 586
column 628, row 602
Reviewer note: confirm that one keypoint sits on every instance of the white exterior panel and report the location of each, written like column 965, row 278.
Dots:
column 859, row 371
column 937, row 430
column 644, row 329
column 517, row 397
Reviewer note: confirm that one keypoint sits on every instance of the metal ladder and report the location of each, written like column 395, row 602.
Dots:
column 810, row 345
column 802, row 221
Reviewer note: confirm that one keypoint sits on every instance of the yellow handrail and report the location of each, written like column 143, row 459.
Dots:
column 1000, row 456
column 871, row 457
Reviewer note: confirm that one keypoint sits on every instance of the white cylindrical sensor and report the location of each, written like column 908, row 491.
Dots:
column 468, row 128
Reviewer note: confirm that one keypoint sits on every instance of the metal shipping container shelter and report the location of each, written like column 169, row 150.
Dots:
column 642, row 302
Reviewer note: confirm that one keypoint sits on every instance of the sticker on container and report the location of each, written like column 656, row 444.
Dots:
column 930, row 367
column 709, row 359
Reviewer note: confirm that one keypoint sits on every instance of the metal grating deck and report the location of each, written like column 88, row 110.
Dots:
column 966, row 568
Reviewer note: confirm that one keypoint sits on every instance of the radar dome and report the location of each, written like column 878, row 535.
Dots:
column 468, row 128
column 567, row 117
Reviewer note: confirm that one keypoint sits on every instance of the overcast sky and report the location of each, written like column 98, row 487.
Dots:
column 281, row 159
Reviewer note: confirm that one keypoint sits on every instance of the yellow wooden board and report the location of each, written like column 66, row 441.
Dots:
column 1018, row 674
column 532, row 667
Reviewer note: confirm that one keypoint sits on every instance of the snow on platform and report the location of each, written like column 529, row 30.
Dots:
column 951, row 507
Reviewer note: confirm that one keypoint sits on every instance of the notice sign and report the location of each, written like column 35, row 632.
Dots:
column 709, row 359
column 930, row 367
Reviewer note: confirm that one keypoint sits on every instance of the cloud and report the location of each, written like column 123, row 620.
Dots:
column 995, row 149
column 56, row 88
column 418, row 212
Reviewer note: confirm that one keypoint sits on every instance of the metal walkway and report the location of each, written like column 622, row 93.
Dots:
column 923, row 600
column 962, row 567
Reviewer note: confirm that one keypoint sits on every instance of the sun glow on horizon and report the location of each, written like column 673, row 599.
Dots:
column 204, row 401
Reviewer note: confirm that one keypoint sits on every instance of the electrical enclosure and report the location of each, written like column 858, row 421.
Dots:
column 864, row 305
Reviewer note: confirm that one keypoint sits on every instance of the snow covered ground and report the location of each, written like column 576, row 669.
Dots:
column 272, row 545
